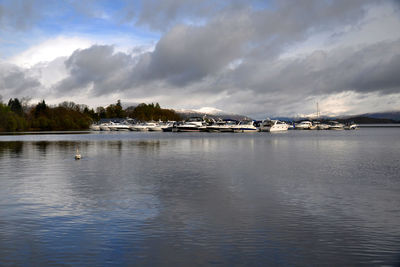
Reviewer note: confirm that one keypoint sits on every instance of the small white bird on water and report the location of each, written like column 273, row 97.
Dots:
column 77, row 155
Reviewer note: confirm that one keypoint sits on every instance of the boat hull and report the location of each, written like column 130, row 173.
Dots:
column 155, row 129
column 302, row 127
column 336, row 128
column 104, row 128
column 274, row 129
column 187, row 129
column 322, row 127
column 167, row 129
column 245, row 130
column 95, row 128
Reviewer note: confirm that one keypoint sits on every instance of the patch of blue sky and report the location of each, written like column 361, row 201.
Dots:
column 14, row 42
column 63, row 19
column 262, row 4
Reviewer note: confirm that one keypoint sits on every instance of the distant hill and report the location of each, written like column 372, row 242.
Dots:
column 378, row 117
column 368, row 118
column 391, row 115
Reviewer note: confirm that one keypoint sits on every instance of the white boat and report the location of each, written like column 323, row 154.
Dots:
column 191, row 125
column 334, row 125
column 104, row 127
column 112, row 126
column 140, row 127
column 313, row 126
column 273, row 126
column 157, row 128
column 122, row 126
column 168, row 126
column 95, row 127
column 351, row 126
column 118, row 126
column 320, row 126
column 224, row 126
column 246, row 126
column 228, row 127
column 304, row 125
column 152, row 126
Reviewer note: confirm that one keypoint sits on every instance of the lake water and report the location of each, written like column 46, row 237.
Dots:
column 300, row 198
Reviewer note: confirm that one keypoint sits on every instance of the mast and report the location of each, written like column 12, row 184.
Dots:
column 317, row 112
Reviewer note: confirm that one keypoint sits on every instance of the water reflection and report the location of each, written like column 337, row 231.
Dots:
column 291, row 199
column 41, row 147
column 15, row 148
column 69, row 147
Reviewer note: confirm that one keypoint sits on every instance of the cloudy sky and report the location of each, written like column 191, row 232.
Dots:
column 259, row 58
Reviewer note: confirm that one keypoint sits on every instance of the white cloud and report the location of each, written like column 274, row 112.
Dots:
column 51, row 72
column 250, row 61
column 49, row 50
column 380, row 24
column 355, row 103
column 64, row 46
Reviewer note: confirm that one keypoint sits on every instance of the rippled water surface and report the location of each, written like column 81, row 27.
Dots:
column 301, row 198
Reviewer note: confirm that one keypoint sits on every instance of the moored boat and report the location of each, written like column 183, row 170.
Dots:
column 223, row 126
column 320, row 126
column 104, row 127
column 334, row 125
column 246, row 126
column 273, row 126
column 193, row 124
column 140, row 127
column 95, row 127
column 304, row 125
column 153, row 127
column 168, row 126
column 351, row 126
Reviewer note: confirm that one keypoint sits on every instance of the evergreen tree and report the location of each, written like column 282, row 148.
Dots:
column 15, row 106
column 40, row 108
column 144, row 112
column 119, row 112
column 101, row 112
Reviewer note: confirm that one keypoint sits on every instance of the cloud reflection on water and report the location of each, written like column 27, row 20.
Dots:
column 296, row 198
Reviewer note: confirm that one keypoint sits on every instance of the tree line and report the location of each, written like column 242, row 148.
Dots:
column 18, row 115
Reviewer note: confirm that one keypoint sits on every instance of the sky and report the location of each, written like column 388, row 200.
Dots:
column 250, row 57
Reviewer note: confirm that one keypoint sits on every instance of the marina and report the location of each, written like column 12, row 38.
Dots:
column 197, row 124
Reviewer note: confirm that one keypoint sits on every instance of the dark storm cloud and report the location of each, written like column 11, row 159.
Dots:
column 288, row 22
column 381, row 76
column 16, row 82
column 373, row 68
column 190, row 53
column 160, row 15
column 98, row 66
column 285, row 16
column 239, row 50
column 187, row 54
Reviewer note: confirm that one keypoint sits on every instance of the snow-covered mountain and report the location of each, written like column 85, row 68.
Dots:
column 210, row 112
column 203, row 110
